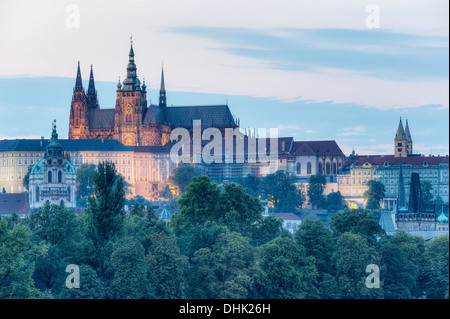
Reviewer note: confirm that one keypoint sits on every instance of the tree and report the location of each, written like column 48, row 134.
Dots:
column 316, row 187
column 252, row 185
column 85, row 180
column 91, row 286
column 427, row 194
column 319, row 243
column 281, row 190
column 335, row 201
column 105, row 209
column 167, row 268
column 16, row 261
column 436, row 268
column 227, row 270
column 182, row 176
column 26, row 179
column 130, row 278
column 357, row 221
column 374, row 194
column 352, row 256
column 290, row 274
column 399, row 274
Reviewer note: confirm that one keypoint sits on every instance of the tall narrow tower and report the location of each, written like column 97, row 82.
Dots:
column 162, row 92
column 91, row 95
column 400, row 141
column 131, row 106
column 409, row 142
column 78, row 123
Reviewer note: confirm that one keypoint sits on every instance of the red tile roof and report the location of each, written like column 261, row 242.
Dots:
column 410, row 160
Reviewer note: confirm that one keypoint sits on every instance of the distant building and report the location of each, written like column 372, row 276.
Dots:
column 385, row 169
column 52, row 179
column 291, row 222
column 14, row 204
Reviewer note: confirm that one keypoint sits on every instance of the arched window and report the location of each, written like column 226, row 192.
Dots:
column 37, row 194
column 59, row 177
column 299, row 168
column 320, row 172
column 308, row 168
column 334, row 168
column 128, row 118
column 327, row 168
column 49, row 176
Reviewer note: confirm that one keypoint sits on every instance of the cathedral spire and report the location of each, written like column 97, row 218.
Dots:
column 162, row 91
column 92, row 101
column 131, row 82
column 78, row 83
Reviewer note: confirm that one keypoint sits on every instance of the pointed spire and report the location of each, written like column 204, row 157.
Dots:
column 53, row 148
column 131, row 54
column 400, row 132
column 407, row 132
column 401, row 196
column 78, row 83
column 92, row 101
column 162, row 91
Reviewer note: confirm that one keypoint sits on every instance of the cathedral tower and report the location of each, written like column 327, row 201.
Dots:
column 131, row 106
column 78, row 123
column 91, row 95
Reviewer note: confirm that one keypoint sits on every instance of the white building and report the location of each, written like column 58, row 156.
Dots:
column 53, row 178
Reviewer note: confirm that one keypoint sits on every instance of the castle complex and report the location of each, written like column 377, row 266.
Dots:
column 133, row 122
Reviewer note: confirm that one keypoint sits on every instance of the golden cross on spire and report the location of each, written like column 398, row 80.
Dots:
column 131, row 39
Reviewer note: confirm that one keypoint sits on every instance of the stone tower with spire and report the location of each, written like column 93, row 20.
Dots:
column 402, row 141
column 78, row 122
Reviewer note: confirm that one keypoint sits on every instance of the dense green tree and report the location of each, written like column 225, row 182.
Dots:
column 290, row 274
column 319, row 243
column 105, row 209
column 16, row 261
column 357, row 221
column 204, row 201
column 252, row 185
column 399, row 274
column 316, row 187
column 183, row 175
column 85, row 180
column 130, row 278
column 352, row 256
column 280, row 189
column 269, row 228
column 374, row 194
column 427, row 194
column 413, row 248
column 335, row 202
column 26, row 178
column 91, row 287
column 227, row 270
column 167, row 267
column 436, row 268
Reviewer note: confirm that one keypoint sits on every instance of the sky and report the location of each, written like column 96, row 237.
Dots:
column 343, row 70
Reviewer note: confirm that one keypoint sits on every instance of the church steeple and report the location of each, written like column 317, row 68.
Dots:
column 54, row 148
column 400, row 141
column 131, row 82
column 91, row 96
column 409, row 142
column 162, row 91
column 78, row 82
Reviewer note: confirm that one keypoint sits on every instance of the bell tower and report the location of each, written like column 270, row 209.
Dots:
column 131, row 105
column 400, row 141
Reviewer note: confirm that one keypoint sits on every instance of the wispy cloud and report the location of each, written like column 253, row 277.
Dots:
column 357, row 130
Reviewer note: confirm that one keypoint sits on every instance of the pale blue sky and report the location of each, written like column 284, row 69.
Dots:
column 312, row 69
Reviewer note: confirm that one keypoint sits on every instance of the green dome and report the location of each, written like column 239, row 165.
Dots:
column 442, row 219
column 38, row 168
